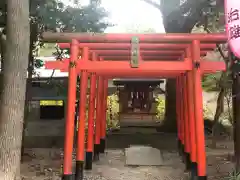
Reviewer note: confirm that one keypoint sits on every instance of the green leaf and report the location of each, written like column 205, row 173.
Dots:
column 38, row 63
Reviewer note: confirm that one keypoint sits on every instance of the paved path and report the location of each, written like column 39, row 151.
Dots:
column 112, row 167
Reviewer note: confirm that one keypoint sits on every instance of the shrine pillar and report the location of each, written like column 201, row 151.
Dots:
column 80, row 153
column 186, row 123
column 178, row 112
column 198, row 110
column 91, row 114
column 104, row 116
column 182, row 117
column 97, row 146
column 191, row 119
column 69, row 128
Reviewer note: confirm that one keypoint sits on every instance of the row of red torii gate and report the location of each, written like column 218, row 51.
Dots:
column 101, row 57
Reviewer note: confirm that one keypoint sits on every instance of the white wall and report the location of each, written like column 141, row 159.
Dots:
column 42, row 72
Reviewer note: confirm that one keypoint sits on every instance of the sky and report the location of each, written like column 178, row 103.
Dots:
column 128, row 13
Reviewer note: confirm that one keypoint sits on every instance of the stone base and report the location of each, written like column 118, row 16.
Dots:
column 143, row 156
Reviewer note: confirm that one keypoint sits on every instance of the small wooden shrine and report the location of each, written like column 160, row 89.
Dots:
column 137, row 105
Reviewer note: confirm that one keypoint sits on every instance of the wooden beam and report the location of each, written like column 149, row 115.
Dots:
column 142, row 46
column 149, row 38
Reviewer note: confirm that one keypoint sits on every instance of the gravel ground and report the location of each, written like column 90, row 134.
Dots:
column 45, row 164
column 110, row 167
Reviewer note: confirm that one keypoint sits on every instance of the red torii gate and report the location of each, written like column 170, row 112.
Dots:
column 183, row 61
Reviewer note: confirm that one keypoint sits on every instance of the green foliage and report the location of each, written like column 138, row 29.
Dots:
column 226, row 118
column 183, row 15
column 160, row 108
column 213, row 17
column 207, row 112
column 38, row 63
column 54, row 15
column 233, row 175
column 210, row 82
column 112, row 112
column 69, row 19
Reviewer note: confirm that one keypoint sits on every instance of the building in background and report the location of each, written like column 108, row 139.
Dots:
column 48, row 92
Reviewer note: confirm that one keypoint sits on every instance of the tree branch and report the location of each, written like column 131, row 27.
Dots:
column 218, row 47
column 191, row 5
column 154, row 4
column 174, row 19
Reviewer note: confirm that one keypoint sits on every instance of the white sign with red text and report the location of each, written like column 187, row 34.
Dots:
column 232, row 20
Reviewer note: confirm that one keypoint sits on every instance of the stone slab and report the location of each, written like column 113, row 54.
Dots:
column 138, row 155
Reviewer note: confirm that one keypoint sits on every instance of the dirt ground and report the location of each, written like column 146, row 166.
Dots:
column 45, row 164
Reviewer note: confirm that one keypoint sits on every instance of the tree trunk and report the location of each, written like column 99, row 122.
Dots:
column 27, row 99
column 236, row 118
column 219, row 111
column 28, row 94
column 13, row 95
